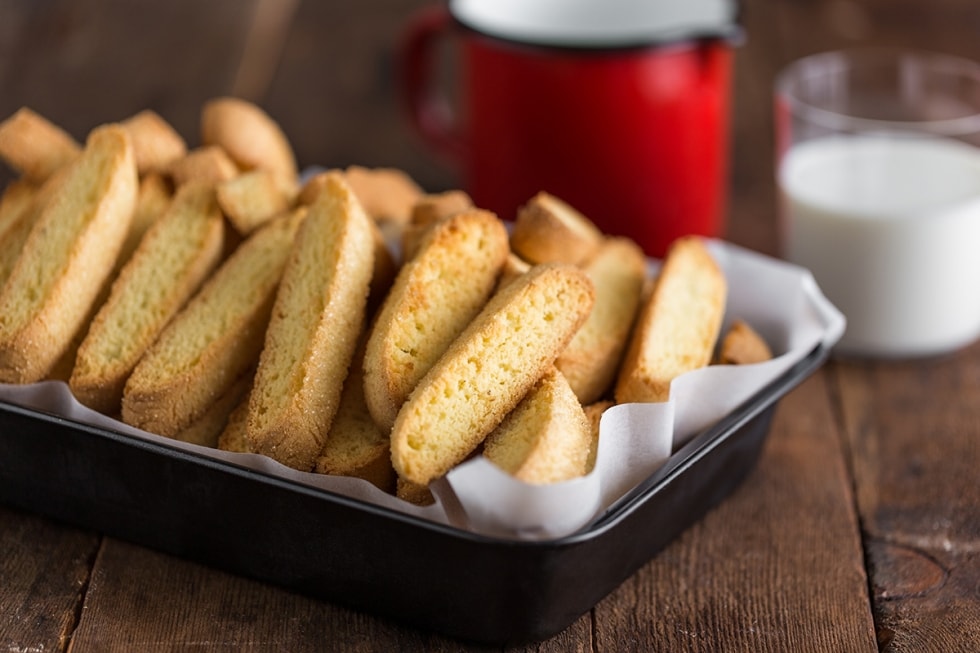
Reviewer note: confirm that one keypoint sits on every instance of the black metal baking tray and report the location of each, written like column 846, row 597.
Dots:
column 367, row 557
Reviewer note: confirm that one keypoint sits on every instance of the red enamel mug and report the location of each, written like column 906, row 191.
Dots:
column 618, row 107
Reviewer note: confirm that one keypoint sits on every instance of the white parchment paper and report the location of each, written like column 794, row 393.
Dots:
column 779, row 300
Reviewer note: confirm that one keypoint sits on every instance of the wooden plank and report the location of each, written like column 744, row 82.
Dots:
column 85, row 62
column 778, row 566
column 44, row 571
column 914, row 433
column 336, row 90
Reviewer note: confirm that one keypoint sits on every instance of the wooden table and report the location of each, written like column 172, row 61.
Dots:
column 858, row 530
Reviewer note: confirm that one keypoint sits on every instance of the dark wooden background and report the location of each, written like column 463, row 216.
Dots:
column 859, row 529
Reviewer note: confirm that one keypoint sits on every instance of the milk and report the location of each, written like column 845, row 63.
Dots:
column 890, row 228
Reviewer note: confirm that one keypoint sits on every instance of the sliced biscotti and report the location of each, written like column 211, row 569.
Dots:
column 318, row 316
column 742, row 345
column 251, row 138
column 385, row 266
column 232, row 436
column 208, row 163
column 435, row 296
column 215, row 339
column 488, row 369
column 34, row 146
column 17, row 199
column 592, row 357
column 156, row 144
column 19, row 209
column 152, row 199
column 387, row 194
column 178, row 252
column 355, row 446
column 427, row 211
column 548, row 229
column 66, row 258
column 678, row 327
column 207, row 429
column 251, row 199
column 593, row 412
column 546, row 438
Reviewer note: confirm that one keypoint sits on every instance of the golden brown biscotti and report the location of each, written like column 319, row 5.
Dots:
column 488, row 369
column 592, row 357
column 742, row 345
column 34, row 146
column 215, row 339
column 427, row 211
column 20, row 207
column 547, row 229
column 68, row 255
column 385, row 266
column 318, row 316
column 208, row 163
column 232, row 437
column 387, row 194
column 546, row 438
column 678, row 327
column 355, row 446
column 593, row 412
column 15, row 230
column 206, row 430
column 251, row 138
column 156, row 144
column 251, row 199
column 513, row 268
column 178, row 252
column 17, row 198
column 152, row 199
column 435, row 296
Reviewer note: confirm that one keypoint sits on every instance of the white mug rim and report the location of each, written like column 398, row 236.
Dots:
column 580, row 24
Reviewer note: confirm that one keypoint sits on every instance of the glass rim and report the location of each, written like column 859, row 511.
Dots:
column 833, row 61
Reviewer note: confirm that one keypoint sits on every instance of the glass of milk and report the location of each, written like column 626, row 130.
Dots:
column 878, row 168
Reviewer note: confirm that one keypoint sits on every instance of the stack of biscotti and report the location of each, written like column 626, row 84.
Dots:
column 350, row 325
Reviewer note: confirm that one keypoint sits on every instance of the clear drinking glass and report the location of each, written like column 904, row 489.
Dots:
column 878, row 169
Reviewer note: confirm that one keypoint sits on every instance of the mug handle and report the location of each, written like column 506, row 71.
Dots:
column 429, row 110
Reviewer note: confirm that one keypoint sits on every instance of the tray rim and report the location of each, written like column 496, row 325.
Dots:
column 679, row 461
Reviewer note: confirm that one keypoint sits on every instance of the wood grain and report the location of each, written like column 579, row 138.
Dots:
column 912, row 430
column 44, row 573
column 776, row 567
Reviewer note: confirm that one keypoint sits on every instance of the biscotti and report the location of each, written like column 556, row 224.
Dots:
column 435, row 296
column 427, row 211
column 488, row 369
column 678, row 327
column 69, row 253
column 178, row 252
column 546, row 438
column 209, row 163
column 215, row 339
column 206, row 430
column 387, row 194
column 547, row 229
column 742, row 345
column 318, row 316
column 593, row 356
column 251, row 199
column 251, row 138
column 35, row 147
column 385, row 265
column 156, row 144
column 355, row 446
